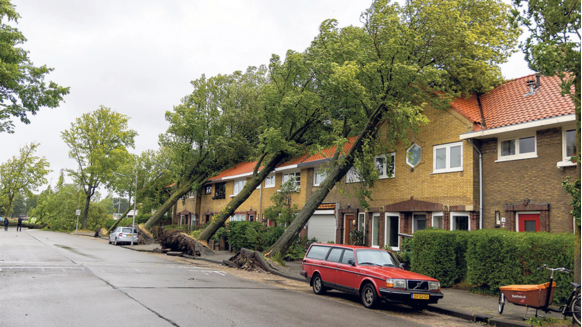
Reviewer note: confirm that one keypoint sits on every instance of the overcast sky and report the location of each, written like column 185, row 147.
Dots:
column 138, row 57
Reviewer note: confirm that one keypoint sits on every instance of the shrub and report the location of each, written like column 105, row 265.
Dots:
column 246, row 234
column 142, row 218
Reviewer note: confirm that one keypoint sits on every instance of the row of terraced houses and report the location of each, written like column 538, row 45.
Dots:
column 494, row 161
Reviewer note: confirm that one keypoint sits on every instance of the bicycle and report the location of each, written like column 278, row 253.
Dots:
column 540, row 296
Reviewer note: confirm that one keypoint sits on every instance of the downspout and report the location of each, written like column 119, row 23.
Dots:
column 259, row 218
column 480, row 184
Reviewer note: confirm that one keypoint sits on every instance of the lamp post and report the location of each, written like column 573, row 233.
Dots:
column 134, row 203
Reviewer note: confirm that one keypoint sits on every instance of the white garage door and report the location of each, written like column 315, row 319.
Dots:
column 322, row 227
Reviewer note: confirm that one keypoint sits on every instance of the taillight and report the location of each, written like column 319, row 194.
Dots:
column 120, row 234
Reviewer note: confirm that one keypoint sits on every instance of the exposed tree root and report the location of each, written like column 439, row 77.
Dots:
column 177, row 240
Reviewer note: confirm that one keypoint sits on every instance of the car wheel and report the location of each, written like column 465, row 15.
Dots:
column 501, row 302
column 369, row 296
column 115, row 242
column 109, row 241
column 317, row 284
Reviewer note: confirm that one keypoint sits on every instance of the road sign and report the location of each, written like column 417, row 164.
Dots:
column 78, row 212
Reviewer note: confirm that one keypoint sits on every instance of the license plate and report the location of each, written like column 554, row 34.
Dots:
column 128, row 235
column 420, row 296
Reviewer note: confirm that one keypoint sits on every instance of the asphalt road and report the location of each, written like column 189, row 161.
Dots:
column 57, row 279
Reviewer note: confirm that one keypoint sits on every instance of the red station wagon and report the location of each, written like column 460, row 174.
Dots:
column 372, row 274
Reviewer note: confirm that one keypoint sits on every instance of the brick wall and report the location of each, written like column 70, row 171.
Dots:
column 537, row 179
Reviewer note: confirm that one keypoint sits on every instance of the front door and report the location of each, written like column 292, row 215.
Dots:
column 392, row 227
column 350, row 226
column 528, row 222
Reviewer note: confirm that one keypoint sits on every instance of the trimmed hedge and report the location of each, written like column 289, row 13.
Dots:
column 440, row 254
column 491, row 258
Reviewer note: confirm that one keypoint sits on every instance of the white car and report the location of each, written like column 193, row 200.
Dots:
column 123, row 235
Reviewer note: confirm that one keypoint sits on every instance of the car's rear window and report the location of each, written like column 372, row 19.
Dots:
column 126, row 230
column 348, row 254
column 317, row 252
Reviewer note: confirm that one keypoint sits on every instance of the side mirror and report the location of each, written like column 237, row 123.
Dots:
column 351, row 262
column 402, row 265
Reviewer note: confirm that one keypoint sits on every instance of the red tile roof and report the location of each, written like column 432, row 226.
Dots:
column 328, row 153
column 506, row 104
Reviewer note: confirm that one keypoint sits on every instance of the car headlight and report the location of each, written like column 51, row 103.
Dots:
column 396, row 283
column 434, row 286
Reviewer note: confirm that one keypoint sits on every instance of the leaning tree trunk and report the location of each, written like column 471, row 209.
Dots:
column 576, row 226
column 286, row 240
column 86, row 211
column 241, row 197
column 119, row 220
column 155, row 218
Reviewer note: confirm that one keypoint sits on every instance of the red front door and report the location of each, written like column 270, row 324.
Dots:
column 529, row 222
column 350, row 224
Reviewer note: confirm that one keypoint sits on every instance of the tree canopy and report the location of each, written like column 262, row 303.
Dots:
column 23, row 89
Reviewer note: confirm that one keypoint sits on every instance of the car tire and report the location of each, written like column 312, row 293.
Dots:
column 317, row 285
column 501, row 303
column 115, row 242
column 369, row 296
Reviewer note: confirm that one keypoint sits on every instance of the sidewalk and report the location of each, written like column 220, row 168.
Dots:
column 457, row 303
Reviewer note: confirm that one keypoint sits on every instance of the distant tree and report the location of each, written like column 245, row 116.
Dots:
column 98, row 142
column 553, row 48
column 22, row 175
column 22, row 86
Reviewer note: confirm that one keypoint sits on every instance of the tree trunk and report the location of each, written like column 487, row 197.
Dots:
column 7, row 213
column 86, row 211
column 155, row 218
column 118, row 220
column 241, row 197
column 577, row 253
column 338, row 172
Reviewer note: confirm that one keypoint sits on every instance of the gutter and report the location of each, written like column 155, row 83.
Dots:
column 480, row 183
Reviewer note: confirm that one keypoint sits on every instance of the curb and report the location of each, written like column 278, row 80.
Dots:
column 490, row 320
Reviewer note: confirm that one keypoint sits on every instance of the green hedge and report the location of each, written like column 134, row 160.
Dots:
column 491, row 258
column 440, row 254
column 497, row 258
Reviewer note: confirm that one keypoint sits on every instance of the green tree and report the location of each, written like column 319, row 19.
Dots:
column 553, row 48
column 22, row 86
column 283, row 211
column 22, row 175
column 210, row 131
column 98, row 142
column 378, row 78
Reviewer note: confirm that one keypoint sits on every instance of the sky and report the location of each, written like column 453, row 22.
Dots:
column 138, row 57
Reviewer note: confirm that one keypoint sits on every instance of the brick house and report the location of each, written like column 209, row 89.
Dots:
column 432, row 182
column 526, row 132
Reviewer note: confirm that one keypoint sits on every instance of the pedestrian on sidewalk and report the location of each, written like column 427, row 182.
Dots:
column 5, row 223
column 19, row 226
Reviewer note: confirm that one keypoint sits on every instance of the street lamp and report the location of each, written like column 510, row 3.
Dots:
column 134, row 203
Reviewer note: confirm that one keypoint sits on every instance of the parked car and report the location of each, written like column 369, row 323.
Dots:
column 123, row 235
column 372, row 274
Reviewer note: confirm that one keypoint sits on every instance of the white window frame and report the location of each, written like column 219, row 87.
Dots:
column 526, row 213
column 237, row 187
column 407, row 150
column 391, row 215
column 375, row 215
column 384, row 173
column 437, row 214
column 320, row 172
column 566, row 159
column 238, row 217
column 517, row 155
column 352, row 177
column 191, row 194
column 414, row 220
column 447, row 148
column 270, row 178
column 362, row 215
column 294, row 176
column 451, row 221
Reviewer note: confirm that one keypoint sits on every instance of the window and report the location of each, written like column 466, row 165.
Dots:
column 219, row 190
column 517, row 148
column 418, row 222
column 238, row 186
column 362, row 222
column 270, row 181
column 353, row 176
column 318, row 252
column 385, row 165
column 295, row 177
column 319, row 176
column 460, row 221
column 413, row 155
column 437, row 220
column 208, row 189
column 375, row 230
column 238, row 217
column 192, row 194
column 335, row 255
column 569, row 143
column 348, row 254
column 448, row 157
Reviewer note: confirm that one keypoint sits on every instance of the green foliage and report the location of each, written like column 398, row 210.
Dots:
column 542, row 321
column 405, row 253
column 283, row 211
column 142, row 218
column 250, row 235
column 357, row 237
column 24, row 89
column 195, row 233
column 574, row 190
column 299, row 248
column 440, row 254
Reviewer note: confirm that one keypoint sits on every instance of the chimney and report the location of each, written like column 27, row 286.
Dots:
column 538, row 81
column 531, row 85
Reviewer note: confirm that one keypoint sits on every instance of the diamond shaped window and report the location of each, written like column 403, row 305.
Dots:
column 413, row 155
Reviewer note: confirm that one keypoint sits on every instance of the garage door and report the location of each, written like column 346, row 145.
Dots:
column 322, row 227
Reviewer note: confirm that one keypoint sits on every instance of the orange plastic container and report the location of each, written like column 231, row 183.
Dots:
column 534, row 296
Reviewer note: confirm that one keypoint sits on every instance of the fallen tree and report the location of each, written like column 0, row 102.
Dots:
column 177, row 240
